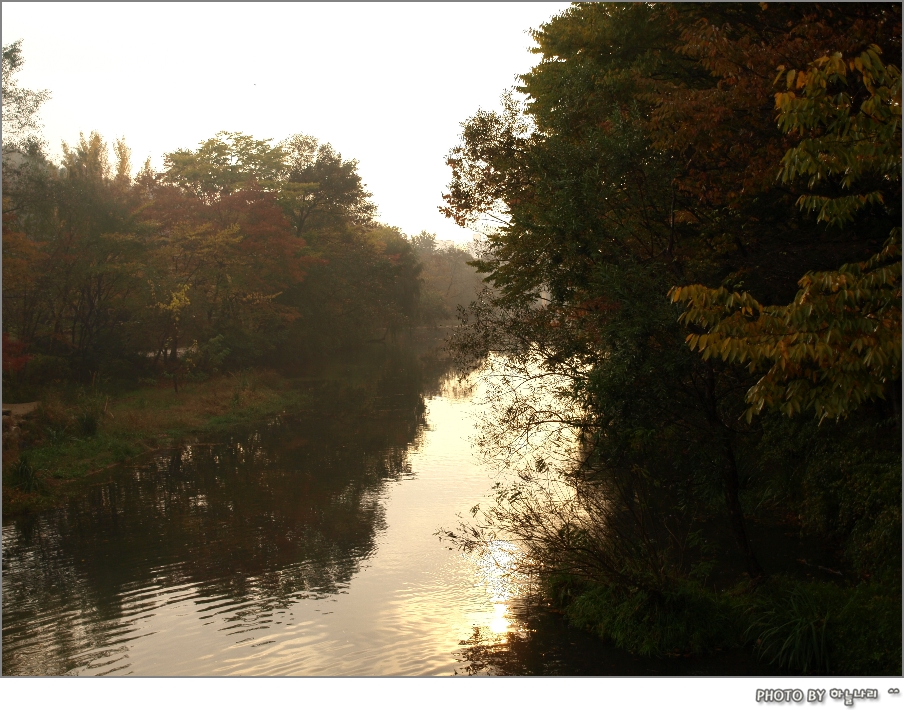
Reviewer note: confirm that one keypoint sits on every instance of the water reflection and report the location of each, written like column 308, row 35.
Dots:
column 496, row 566
column 301, row 546
column 540, row 642
column 242, row 528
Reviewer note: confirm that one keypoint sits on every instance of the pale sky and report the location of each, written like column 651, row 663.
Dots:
column 386, row 84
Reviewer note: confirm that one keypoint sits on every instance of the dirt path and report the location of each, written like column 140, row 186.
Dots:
column 20, row 410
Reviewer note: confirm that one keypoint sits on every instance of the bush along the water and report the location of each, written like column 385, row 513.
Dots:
column 681, row 619
column 800, row 627
column 813, row 627
column 25, row 476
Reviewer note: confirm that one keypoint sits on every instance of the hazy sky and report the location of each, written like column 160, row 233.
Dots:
column 386, row 84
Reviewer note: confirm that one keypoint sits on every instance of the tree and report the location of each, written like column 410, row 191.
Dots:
column 72, row 279
column 21, row 124
column 224, row 164
column 588, row 242
column 838, row 343
column 308, row 264
column 217, row 266
column 321, row 190
column 642, row 159
column 449, row 280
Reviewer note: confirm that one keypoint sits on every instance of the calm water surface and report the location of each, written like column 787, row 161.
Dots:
column 302, row 546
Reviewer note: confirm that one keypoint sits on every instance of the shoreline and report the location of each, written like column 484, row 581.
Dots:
column 68, row 441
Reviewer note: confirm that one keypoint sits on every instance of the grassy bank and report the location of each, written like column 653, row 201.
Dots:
column 73, row 434
column 798, row 627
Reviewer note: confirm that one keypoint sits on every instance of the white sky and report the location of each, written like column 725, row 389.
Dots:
column 386, row 84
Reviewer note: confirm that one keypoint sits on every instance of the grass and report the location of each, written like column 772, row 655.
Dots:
column 821, row 627
column 69, row 439
column 790, row 629
column 24, row 476
column 802, row 627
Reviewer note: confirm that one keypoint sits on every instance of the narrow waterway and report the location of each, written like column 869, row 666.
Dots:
column 302, row 546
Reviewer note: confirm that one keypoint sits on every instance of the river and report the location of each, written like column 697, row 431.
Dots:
column 304, row 545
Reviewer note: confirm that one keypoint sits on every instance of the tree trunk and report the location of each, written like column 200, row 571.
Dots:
column 735, row 512
column 729, row 471
column 175, row 359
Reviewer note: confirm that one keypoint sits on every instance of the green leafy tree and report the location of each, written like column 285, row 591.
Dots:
column 643, row 158
column 838, row 343
column 224, row 164
column 320, row 189
column 21, row 124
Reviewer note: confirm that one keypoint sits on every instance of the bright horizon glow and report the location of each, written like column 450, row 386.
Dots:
column 385, row 84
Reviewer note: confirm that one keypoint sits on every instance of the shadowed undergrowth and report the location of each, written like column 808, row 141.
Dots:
column 799, row 627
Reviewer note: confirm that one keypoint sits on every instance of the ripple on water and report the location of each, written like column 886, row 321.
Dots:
column 303, row 547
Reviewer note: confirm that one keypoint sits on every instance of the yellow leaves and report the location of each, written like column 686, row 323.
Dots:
column 838, row 138
column 790, row 78
column 836, row 345
column 839, row 343
column 178, row 301
column 795, row 80
column 783, row 99
column 836, row 64
column 869, row 64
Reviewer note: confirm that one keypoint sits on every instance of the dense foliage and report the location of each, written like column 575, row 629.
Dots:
column 692, row 222
column 240, row 252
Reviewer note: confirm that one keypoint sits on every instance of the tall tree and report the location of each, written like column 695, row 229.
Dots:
column 838, row 343
column 320, row 189
column 21, row 124
column 644, row 158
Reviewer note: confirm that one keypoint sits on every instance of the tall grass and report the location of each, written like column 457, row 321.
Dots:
column 823, row 627
column 25, row 476
column 789, row 631
column 87, row 423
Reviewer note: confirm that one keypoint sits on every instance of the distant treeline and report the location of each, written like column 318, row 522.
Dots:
column 240, row 252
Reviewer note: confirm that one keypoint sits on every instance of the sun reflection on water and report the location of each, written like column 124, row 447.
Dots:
column 499, row 624
column 498, row 573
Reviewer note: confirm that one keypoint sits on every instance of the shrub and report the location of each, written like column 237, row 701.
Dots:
column 819, row 627
column 87, row 423
column 25, row 476
column 685, row 618
column 865, row 634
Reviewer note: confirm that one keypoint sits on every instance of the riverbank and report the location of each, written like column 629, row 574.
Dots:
column 789, row 624
column 69, row 436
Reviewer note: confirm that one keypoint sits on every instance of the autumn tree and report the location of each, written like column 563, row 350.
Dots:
column 643, row 156
column 838, row 343
column 73, row 279
column 313, row 257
